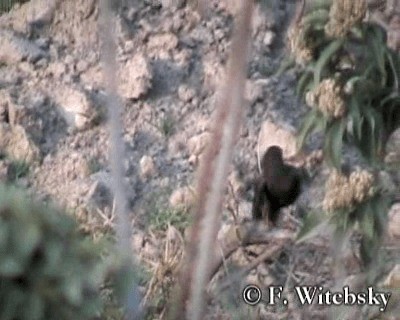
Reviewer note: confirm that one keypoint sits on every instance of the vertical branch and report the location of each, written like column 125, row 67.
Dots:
column 114, row 107
column 213, row 175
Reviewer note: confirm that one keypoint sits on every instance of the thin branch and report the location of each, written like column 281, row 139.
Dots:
column 123, row 229
column 213, row 174
column 275, row 239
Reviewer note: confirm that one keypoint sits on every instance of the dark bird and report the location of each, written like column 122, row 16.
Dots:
column 277, row 187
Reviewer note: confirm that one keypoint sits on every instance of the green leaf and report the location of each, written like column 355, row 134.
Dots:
column 324, row 58
column 378, row 49
column 367, row 223
column 4, row 236
column 375, row 122
column 380, row 206
column 26, row 238
column 304, row 83
column 393, row 97
column 319, row 16
column 34, row 307
column 334, row 142
column 309, row 123
column 73, row 289
column 356, row 117
column 319, row 4
column 14, row 303
column 10, row 267
column 312, row 224
column 395, row 69
column 287, row 63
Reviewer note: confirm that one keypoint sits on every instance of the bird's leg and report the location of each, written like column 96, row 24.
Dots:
column 261, row 205
column 258, row 199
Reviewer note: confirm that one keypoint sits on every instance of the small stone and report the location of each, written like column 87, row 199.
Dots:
column 237, row 185
column 394, row 222
column 82, row 66
column 56, row 69
column 77, row 109
column 147, row 167
column 161, row 45
column 135, row 77
column 185, row 93
column 41, row 13
column 197, row 144
column 393, row 279
column 16, row 143
column 15, row 49
column 269, row 38
column 393, row 148
column 182, row 197
column 254, row 90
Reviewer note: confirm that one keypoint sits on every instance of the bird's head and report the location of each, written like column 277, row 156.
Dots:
column 274, row 153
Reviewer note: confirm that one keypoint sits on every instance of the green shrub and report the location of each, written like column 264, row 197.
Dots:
column 47, row 269
column 349, row 78
column 6, row 5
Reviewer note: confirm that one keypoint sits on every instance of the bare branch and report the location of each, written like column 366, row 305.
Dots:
column 123, row 229
column 213, row 174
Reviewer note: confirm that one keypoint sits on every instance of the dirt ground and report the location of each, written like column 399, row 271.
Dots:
column 171, row 62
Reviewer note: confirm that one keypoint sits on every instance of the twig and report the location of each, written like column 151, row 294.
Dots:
column 213, row 174
column 123, row 229
column 276, row 239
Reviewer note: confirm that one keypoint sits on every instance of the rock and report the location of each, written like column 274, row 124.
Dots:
column 14, row 49
column 214, row 73
column 393, row 148
column 161, row 45
column 393, row 279
column 172, row 3
column 386, row 183
column 393, row 37
column 82, row 65
column 185, row 93
column 269, row 38
column 56, row 69
column 271, row 134
column 92, row 77
column 394, row 223
column 41, row 12
column 147, row 167
column 230, row 6
column 16, row 144
column 135, row 77
column 76, row 108
column 244, row 210
column 182, row 197
column 254, row 90
column 237, row 185
column 197, row 144
column 177, row 143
